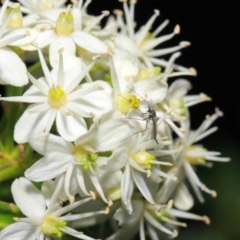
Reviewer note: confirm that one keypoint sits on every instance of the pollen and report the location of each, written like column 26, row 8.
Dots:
column 51, row 225
column 56, row 97
column 143, row 159
column 127, row 101
column 65, row 23
column 85, row 158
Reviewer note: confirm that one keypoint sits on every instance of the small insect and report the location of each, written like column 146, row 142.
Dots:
column 151, row 116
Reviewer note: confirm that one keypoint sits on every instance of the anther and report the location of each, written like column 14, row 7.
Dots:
column 71, row 199
column 110, row 203
column 107, row 210
column 133, row 1
column 214, row 194
column 184, row 44
column 175, row 233
column 118, row 12
column 193, row 71
column 175, row 179
column 205, row 97
column 218, row 112
column 105, row 13
column 206, row 220
column 177, row 29
column 170, row 204
column 157, row 12
column 93, row 195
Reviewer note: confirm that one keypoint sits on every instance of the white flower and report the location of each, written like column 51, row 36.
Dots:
column 139, row 163
column 12, row 70
column 178, row 101
column 142, row 43
column 41, row 9
column 42, row 221
column 192, row 154
column 57, row 97
column 65, row 34
column 157, row 222
column 80, row 161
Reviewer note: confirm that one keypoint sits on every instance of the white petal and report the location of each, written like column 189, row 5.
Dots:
column 19, row 231
column 127, row 44
column 44, row 38
column 117, row 160
column 31, row 35
column 126, row 67
column 72, row 66
column 28, row 198
column 70, row 126
column 111, row 134
column 51, row 144
column 153, row 91
column 12, row 70
column 127, row 188
column 30, row 123
column 58, row 43
column 141, row 184
column 183, row 200
column 123, row 217
column 47, row 190
column 49, row 167
column 179, row 88
column 96, row 103
column 89, row 42
column 110, row 180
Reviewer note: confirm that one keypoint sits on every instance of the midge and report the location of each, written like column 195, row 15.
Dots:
column 150, row 116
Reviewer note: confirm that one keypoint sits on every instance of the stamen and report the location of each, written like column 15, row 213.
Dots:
column 96, row 21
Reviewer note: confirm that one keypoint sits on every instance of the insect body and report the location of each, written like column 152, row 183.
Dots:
column 150, row 114
column 153, row 117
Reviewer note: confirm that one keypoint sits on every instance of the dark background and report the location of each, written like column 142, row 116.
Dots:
column 211, row 27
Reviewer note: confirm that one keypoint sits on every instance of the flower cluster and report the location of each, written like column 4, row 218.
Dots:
column 112, row 132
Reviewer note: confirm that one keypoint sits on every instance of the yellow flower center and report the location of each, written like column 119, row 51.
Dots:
column 50, row 226
column 143, row 159
column 127, row 101
column 178, row 106
column 85, row 158
column 16, row 20
column 149, row 72
column 64, row 23
column 195, row 160
column 56, row 97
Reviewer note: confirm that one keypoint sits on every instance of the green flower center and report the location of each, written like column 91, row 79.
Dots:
column 64, row 23
column 56, row 97
column 85, row 158
column 127, row 101
column 178, row 106
column 143, row 159
column 51, row 225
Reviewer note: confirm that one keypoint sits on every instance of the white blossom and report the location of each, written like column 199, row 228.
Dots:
column 42, row 221
column 56, row 97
